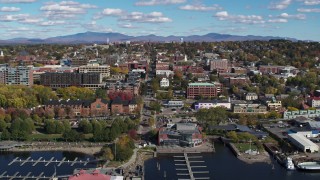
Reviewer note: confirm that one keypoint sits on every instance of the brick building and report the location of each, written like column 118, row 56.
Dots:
column 206, row 90
column 83, row 108
column 20, row 75
column 119, row 106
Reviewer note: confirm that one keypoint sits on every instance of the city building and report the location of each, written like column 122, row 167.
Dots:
column 207, row 104
column 301, row 113
column 19, row 75
column 249, row 108
column 220, row 65
column 96, row 68
column 238, row 80
column 202, row 89
column 181, row 134
column 121, row 87
column 274, row 105
column 166, row 73
column 164, row 82
column 173, row 103
column 60, row 80
column 94, row 175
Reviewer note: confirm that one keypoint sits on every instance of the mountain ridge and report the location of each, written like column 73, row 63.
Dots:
column 100, row 37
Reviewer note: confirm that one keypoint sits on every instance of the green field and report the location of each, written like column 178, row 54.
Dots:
column 242, row 147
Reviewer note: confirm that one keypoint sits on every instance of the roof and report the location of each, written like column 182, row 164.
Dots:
column 314, row 124
column 302, row 140
column 83, row 175
column 201, row 84
column 186, row 126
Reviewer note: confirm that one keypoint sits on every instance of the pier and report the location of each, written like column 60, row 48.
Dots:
column 47, row 162
column 185, row 169
column 30, row 176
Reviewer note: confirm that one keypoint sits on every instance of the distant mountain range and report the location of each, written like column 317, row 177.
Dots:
column 97, row 37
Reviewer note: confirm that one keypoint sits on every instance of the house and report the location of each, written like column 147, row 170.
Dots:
column 314, row 102
column 164, row 82
column 251, row 96
column 173, row 103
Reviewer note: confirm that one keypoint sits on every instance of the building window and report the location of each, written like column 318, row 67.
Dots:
column 98, row 106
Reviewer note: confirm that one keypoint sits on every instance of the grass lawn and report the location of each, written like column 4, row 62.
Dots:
column 46, row 137
column 242, row 147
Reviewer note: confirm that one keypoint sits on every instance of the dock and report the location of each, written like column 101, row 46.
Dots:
column 185, row 169
column 47, row 162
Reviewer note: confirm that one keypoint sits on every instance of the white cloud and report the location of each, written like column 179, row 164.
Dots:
column 17, row 1
column 200, row 7
column 128, row 26
column 51, row 23
column 283, row 4
column 112, row 12
column 158, row 2
column 153, row 17
column 279, row 20
column 311, row 2
column 13, row 17
column 64, row 9
column 245, row 19
column 92, row 26
column 9, row 9
column 312, row 10
column 296, row 16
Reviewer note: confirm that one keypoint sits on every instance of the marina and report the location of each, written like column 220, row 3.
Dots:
column 47, row 162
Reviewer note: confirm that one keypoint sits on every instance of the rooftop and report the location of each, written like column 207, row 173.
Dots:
column 201, row 84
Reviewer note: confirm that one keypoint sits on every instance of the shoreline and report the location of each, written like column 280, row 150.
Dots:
column 85, row 150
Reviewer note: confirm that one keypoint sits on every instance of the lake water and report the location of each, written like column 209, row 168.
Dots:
column 223, row 165
column 64, row 169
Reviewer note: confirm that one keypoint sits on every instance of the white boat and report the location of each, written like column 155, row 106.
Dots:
column 310, row 166
column 289, row 164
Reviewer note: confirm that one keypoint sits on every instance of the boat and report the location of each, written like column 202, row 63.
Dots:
column 309, row 166
column 289, row 164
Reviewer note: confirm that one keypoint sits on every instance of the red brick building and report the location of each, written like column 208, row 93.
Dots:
column 206, row 90
column 221, row 65
column 119, row 106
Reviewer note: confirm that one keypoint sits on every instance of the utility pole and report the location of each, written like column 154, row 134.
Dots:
column 115, row 150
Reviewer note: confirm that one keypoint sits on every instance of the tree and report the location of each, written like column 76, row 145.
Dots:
column 3, row 125
column 233, row 136
column 5, row 135
column 101, row 93
column 212, row 116
column 106, row 153
column 151, row 122
column 124, row 149
column 50, row 126
column 155, row 105
column 72, row 135
column 85, row 126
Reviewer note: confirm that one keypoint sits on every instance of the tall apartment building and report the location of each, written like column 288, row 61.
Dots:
column 96, row 68
column 207, row 90
column 57, row 80
column 221, row 65
column 20, row 75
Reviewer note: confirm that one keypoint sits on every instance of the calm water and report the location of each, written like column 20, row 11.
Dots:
column 64, row 169
column 223, row 165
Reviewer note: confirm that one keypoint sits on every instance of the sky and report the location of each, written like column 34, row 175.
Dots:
column 298, row 19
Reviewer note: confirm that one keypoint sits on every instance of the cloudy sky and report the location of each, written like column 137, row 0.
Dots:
column 42, row 18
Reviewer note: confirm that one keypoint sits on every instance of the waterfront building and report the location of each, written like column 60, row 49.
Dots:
column 303, row 143
column 119, row 106
column 181, row 134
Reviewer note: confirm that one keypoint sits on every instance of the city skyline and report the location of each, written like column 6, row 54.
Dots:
column 43, row 18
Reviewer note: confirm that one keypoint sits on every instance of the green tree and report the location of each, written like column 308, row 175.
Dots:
column 50, row 126
column 85, row 126
column 5, row 135
column 212, row 116
column 106, row 153
column 233, row 136
column 3, row 125
column 72, row 135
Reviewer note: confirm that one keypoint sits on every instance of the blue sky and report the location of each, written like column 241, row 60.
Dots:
column 44, row 18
